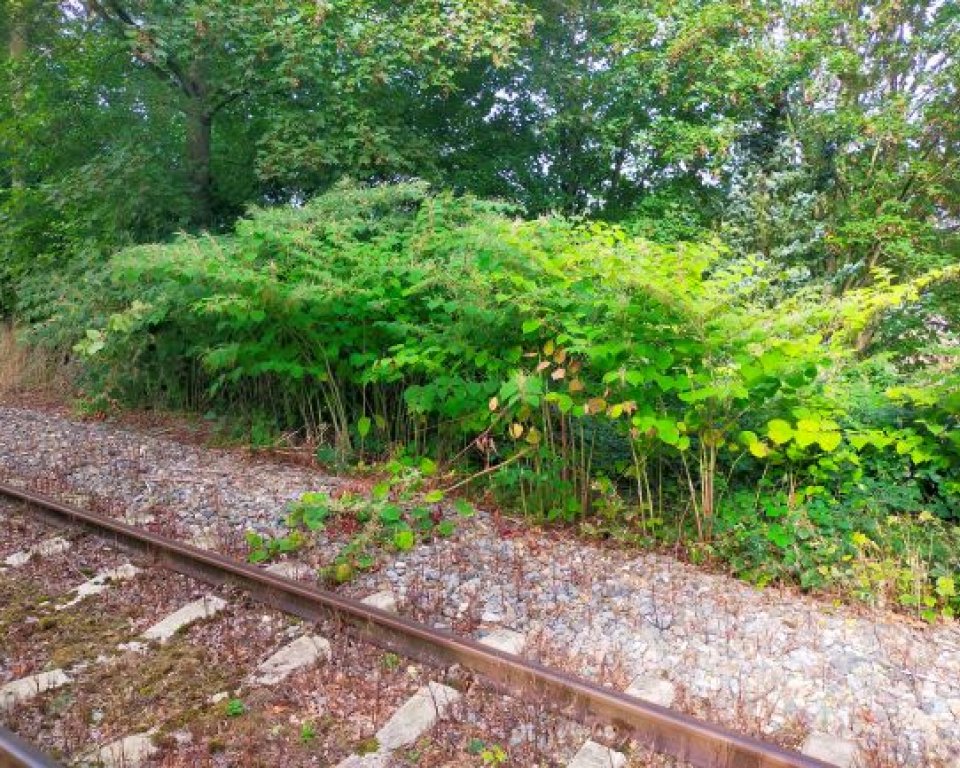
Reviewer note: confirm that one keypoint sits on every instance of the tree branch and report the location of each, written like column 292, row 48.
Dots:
column 170, row 71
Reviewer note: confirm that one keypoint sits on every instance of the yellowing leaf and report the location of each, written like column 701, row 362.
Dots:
column 829, row 440
column 779, row 431
column 493, row 404
column 548, row 348
column 516, row 430
column 805, row 439
column 760, row 450
column 946, row 587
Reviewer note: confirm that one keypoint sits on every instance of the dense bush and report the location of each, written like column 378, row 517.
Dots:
column 655, row 390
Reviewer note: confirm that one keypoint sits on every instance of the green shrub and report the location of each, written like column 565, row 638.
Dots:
column 563, row 363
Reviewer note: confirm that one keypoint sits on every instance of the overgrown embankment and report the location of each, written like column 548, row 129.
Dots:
column 644, row 391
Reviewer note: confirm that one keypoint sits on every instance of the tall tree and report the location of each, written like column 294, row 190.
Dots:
column 275, row 57
column 869, row 144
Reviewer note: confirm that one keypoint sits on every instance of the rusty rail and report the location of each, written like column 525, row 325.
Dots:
column 16, row 753
column 691, row 740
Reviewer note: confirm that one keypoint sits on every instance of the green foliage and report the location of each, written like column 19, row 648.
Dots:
column 308, row 733
column 396, row 514
column 847, row 545
column 756, row 353
column 542, row 356
column 265, row 548
column 489, row 754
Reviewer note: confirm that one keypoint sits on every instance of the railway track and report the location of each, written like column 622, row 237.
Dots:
column 452, row 663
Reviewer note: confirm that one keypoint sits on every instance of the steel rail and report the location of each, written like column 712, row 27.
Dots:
column 687, row 738
column 16, row 753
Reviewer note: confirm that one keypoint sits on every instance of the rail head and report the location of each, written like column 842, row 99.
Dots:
column 694, row 741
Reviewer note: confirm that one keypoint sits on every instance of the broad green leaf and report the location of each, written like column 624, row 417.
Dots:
column 779, row 431
column 464, row 508
column 829, row 441
column 759, row 449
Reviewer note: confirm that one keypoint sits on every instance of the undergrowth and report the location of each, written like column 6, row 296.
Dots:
column 576, row 372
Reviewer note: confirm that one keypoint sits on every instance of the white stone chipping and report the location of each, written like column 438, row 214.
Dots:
column 27, row 687
column 594, row 755
column 100, row 583
column 385, row 601
column 839, row 752
column 45, row 548
column 291, row 569
column 371, row 760
column 418, row 715
column 128, row 752
column 302, row 652
column 505, row 640
column 415, row 717
column 166, row 628
column 654, row 690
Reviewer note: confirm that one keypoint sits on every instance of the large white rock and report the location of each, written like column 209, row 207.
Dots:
column 203, row 608
column 100, row 583
column 594, row 755
column 302, row 652
column 505, row 640
column 371, row 760
column 385, row 601
column 839, row 752
column 417, row 716
column 128, row 752
column 291, row 569
column 654, row 690
column 27, row 687
column 46, row 548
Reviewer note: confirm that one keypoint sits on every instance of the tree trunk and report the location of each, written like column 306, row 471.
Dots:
column 199, row 132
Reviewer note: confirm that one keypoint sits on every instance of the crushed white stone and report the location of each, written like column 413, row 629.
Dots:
column 46, row 548
column 654, row 690
column 415, row 717
column 371, row 760
column 385, row 601
column 839, row 752
column 505, row 640
column 27, row 687
column 291, row 569
column 302, row 652
column 167, row 627
column 418, row 715
column 100, row 583
column 594, row 755
column 128, row 752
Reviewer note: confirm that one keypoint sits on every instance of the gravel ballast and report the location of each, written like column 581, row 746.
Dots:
column 769, row 662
